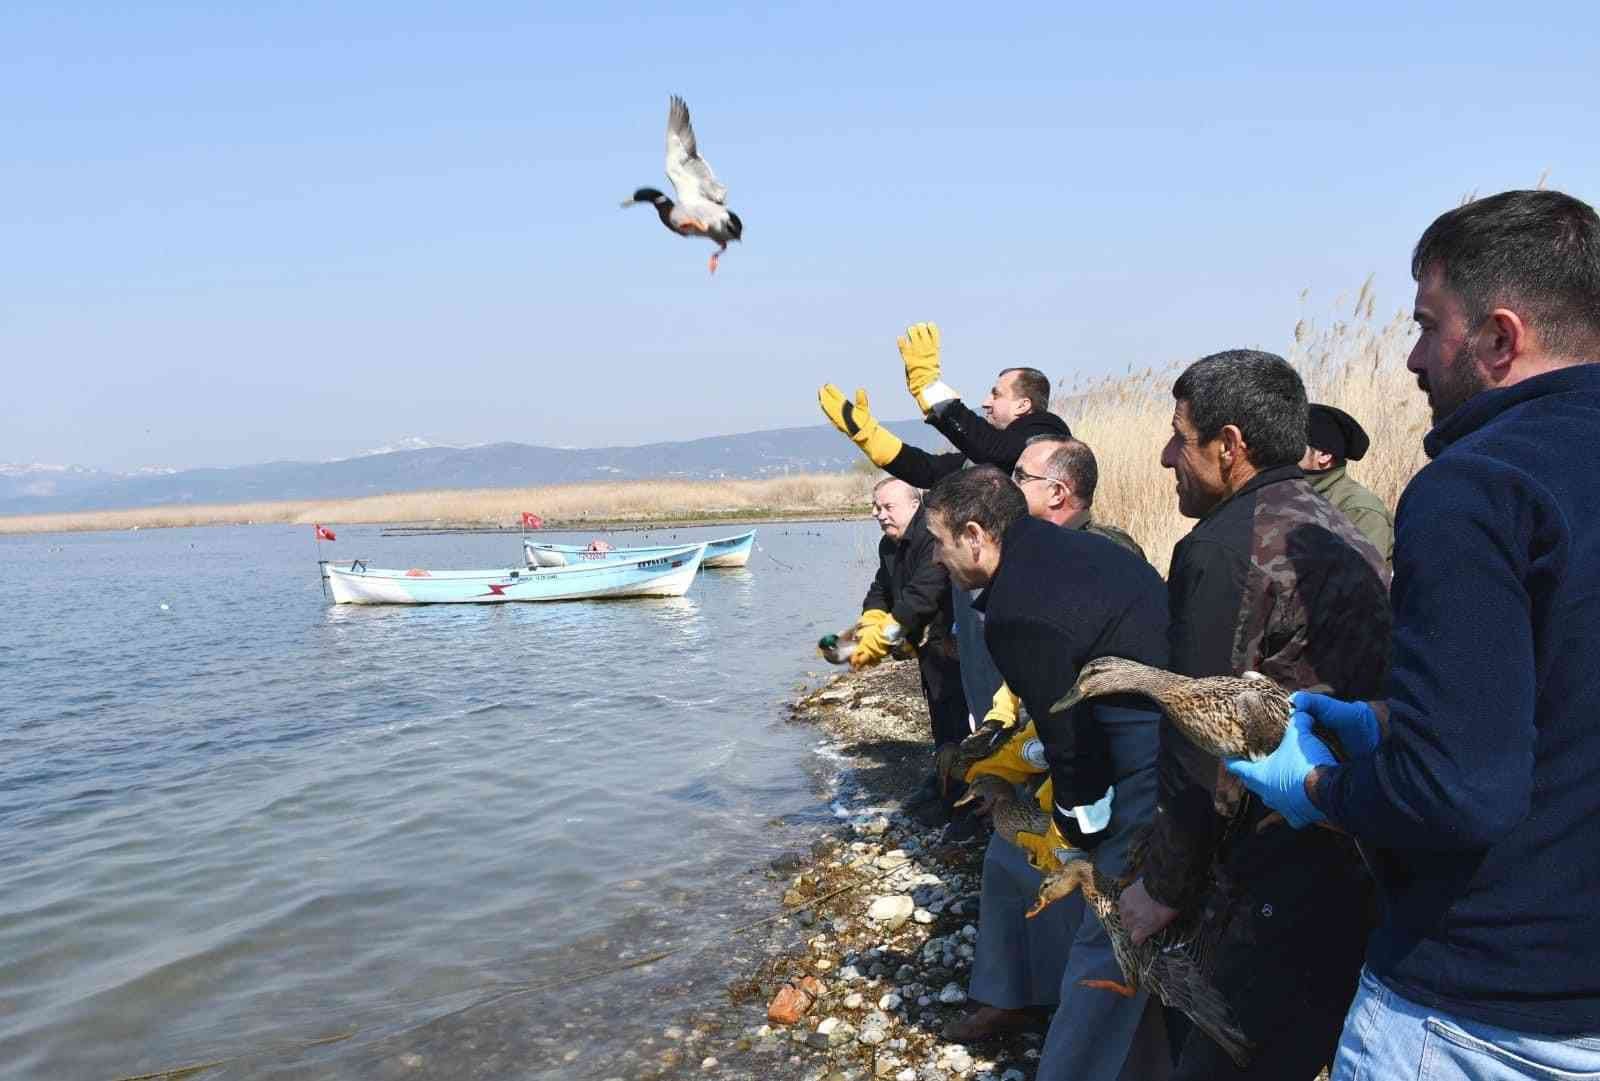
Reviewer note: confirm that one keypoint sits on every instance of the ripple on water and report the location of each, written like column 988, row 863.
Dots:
column 254, row 819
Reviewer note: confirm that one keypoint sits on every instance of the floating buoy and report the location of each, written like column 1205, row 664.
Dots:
column 165, row 608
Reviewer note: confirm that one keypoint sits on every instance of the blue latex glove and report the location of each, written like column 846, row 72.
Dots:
column 1280, row 778
column 1353, row 722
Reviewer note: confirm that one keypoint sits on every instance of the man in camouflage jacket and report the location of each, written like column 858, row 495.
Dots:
column 1272, row 579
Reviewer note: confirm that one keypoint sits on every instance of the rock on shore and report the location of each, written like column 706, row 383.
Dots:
column 873, row 951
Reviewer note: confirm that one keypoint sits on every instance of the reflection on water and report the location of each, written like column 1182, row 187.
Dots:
column 251, row 820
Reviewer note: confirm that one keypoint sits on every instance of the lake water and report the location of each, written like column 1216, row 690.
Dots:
column 235, row 819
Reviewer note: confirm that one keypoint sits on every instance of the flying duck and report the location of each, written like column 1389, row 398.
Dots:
column 702, row 199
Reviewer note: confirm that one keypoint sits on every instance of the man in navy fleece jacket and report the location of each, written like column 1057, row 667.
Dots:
column 1480, row 791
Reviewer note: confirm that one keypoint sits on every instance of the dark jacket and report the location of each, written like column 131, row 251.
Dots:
column 910, row 586
column 1274, row 580
column 1484, row 790
column 1278, row 581
column 1059, row 599
column 975, row 439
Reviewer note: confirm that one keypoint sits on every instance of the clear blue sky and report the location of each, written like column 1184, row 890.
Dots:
column 313, row 228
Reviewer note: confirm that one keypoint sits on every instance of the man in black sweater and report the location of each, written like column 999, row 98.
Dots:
column 1478, row 787
column 1055, row 599
column 1271, row 579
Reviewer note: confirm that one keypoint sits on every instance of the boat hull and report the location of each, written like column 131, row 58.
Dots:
column 724, row 552
column 666, row 575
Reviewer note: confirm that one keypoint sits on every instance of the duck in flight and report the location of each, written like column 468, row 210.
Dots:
column 701, row 209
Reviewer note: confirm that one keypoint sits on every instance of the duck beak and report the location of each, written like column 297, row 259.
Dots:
column 1068, row 700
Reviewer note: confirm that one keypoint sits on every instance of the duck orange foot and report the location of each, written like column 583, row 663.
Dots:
column 1109, row 985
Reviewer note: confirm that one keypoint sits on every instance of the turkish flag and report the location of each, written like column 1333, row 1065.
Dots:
column 325, row 534
column 532, row 521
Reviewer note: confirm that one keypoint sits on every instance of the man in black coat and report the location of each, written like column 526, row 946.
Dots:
column 1055, row 599
column 910, row 597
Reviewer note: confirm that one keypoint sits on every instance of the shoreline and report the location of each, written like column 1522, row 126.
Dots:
column 870, row 951
column 641, row 504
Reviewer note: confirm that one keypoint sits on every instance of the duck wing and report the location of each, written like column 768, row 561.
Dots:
column 690, row 174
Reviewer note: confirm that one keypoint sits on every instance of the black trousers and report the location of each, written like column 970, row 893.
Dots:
column 941, row 686
column 1298, row 907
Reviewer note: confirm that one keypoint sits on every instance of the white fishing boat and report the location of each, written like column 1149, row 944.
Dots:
column 723, row 552
column 666, row 572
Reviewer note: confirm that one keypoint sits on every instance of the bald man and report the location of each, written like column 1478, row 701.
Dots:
column 909, row 598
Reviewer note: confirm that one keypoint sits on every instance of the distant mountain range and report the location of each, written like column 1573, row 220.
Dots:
column 48, row 489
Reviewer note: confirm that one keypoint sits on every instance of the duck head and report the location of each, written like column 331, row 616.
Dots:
column 1077, row 873
column 1110, row 675
column 662, row 204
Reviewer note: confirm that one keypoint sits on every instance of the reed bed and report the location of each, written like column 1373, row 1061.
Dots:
column 621, row 501
column 1353, row 361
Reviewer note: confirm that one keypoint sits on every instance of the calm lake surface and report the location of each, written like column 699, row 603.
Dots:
column 250, row 820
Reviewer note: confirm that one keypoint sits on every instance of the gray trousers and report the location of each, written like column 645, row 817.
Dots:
column 1097, row 1035
column 979, row 677
column 1018, row 962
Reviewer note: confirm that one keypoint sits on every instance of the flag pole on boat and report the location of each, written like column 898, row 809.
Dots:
column 322, row 564
column 529, row 521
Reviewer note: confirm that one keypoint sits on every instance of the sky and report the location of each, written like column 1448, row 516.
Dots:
column 297, row 231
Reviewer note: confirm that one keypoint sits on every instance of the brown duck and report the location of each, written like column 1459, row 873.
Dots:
column 1226, row 716
column 952, row 760
column 1010, row 813
column 1170, row 965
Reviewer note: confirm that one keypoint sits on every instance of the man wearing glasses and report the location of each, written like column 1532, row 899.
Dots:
column 1058, row 478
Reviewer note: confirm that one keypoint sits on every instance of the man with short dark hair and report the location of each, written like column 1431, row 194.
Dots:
column 1019, row 961
column 1475, row 778
column 1271, row 579
column 1333, row 439
column 1055, row 599
column 1017, row 409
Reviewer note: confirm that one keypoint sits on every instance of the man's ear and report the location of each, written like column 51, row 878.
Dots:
column 1231, row 448
column 1505, row 338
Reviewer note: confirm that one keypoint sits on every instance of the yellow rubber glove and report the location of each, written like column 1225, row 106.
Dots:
column 1047, row 795
column 919, row 349
column 1041, row 848
column 873, row 643
column 1004, row 707
column 1014, row 761
column 872, row 617
column 855, row 421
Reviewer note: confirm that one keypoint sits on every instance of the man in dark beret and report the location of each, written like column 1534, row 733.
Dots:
column 1333, row 438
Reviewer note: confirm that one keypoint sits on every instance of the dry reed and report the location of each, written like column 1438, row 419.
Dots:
column 1354, row 363
column 643, row 501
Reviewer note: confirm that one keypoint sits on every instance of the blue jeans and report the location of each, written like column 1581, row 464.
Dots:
column 1387, row 1036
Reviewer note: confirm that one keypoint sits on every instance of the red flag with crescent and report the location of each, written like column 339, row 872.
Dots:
column 325, row 534
column 531, row 521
